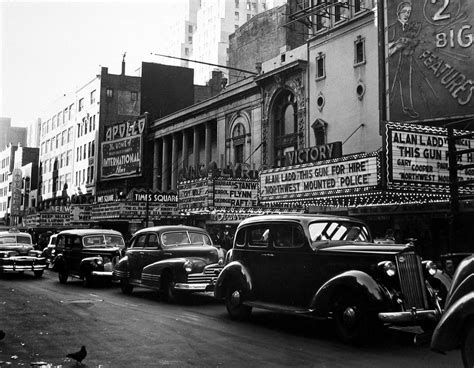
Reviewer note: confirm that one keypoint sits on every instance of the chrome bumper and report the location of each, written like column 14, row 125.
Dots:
column 22, row 267
column 411, row 317
column 194, row 287
column 102, row 273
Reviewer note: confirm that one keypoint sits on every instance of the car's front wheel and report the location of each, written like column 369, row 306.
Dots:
column 38, row 274
column 353, row 319
column 467, row 347
column 234, row 302
column 63, row 275
column 126, row 287
column 168, row 292
column 89, row 280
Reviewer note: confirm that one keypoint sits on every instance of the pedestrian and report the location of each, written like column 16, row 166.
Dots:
column 389, row 236
column 227, row 239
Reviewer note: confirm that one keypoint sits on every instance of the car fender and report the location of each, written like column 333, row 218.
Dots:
column 233, row 271
column 86, row 264
column 461, row 278
column 122, row 268
column 353, row 280
column 448, row 333
column 59, row 262
column 461, row 289
column 175, row 265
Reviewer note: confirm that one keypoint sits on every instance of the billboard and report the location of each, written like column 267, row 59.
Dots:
column 122, row 149
column 17, row 179
column 429, row 55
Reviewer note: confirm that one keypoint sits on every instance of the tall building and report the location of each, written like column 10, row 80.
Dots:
column 216, row 21
column 10, row 134
column 179, row 41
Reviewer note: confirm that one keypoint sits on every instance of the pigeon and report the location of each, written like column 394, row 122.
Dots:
column 78, row 356
column 2, row 334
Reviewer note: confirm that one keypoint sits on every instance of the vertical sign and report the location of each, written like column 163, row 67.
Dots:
column 429, row 55
column 17, row 177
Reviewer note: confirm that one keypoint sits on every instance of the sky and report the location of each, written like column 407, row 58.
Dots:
column 48, row 48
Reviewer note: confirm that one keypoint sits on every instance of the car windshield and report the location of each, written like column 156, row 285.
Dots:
column 338, row 230
column 103, row 241
column 185, row 238
column 20, row 239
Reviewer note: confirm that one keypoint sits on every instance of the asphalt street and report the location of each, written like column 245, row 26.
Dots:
column 44, row 320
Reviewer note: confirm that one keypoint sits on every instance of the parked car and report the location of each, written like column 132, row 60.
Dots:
column 173, row 259
column 17, row 253
column 88, row 254
column 456, row 328
column 328, row 267
column 50, row 250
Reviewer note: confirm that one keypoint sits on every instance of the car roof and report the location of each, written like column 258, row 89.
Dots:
column 10, row 233
column 83, row 232
column 297, row 217
column 162, row 228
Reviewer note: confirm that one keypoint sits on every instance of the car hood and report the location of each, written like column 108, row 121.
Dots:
column 208, row 254
column 363, row 248
column 22, row 249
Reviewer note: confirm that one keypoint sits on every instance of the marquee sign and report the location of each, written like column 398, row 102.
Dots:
column 429, row 53
column 418, row 155
column 122, row 149
column 235, row 193
column 194, row 194
column 17, row 178
column 348, row 174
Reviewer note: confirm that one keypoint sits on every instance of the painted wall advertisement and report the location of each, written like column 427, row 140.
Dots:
column 317, row 179
column 122, row 149
column 419, row 155
column 429, row 57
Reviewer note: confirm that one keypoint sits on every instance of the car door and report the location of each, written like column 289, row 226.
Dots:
column 255, row 255
column 135, row 254
column 294, row 266
column 153, row 251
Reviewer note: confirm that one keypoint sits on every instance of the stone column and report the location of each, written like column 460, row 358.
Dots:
column 156, row 164
column 207, row 144
column 196, row 147
column 174, row 162
column 164, row 166
column 185, row 150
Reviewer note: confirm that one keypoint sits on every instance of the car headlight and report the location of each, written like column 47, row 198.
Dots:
column 388, row 268
column 431, row 267
column 99, row 261
column 3, row 255
column 188, row 266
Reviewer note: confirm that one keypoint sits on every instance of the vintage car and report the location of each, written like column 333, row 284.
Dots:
column 173, row 259
column 50, row 250
column 88, row 254
column 328, row 267
column 456, row 327
column 17, row 253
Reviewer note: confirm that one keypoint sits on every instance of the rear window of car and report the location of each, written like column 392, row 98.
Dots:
column 103, row 241
column 338, row 230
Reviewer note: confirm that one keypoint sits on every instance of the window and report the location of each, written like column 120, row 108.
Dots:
column 190, row 29
column 53, row 143
column 69, row 157
column 134, row 96
column 66, row 115
column 249, row 16
column 320, row 18
column 109, row 93
column 190, row 38
column 69, row 135
column 320, row 66
column 357, row 5
column 236, row 16
column 63, row 137
column 71, row 108
column 259, row 235
column 338, row 11
column 237, row 4
column 93, row 97
column 238, row 137
column 248, row 5
column 284, row 126
column 359, row 51
column 288, row 236
column 319, row 129
column 81, row 104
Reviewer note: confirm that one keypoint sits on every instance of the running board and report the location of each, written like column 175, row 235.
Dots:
column 282, row 308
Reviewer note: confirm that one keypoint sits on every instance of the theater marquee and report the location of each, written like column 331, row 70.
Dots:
column 348, row 174
column 429, row 54
column 418, row 155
